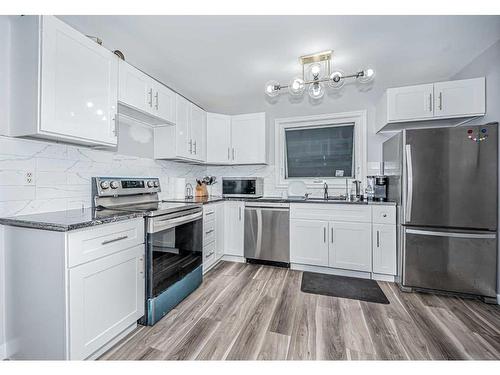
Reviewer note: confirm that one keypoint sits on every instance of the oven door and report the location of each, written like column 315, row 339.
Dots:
column 174, row 249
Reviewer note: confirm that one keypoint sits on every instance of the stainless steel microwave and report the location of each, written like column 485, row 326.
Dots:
column 242, row 187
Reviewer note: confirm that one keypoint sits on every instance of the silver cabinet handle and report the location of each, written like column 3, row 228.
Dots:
column 210, row 213
column 195, row 148
column 209, row 231
column 233, row 153
column 430, row 102
column 156, row 98
column 114, row 240
column 150, row 97
column 331, row 240
column 229, row 153
column 440, row 101
column 141, row 261
column 190, row 146
column 115, row 120
column 409, row 179
column 324, row 234
column 378, row 239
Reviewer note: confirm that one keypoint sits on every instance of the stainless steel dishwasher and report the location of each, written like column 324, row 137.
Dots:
column 267, row 233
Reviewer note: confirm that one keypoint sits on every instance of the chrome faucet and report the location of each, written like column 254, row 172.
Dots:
column 325, row 191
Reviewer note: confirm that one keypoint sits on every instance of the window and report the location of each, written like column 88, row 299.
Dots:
column 328, row 147
column 321, row 152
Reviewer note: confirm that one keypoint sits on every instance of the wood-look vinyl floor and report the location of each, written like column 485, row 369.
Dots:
column 245, row 312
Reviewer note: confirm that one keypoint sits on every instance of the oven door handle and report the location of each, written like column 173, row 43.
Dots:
column 157, row 225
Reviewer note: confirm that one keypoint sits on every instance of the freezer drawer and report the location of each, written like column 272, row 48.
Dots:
column 450, row 261
column 267, row 234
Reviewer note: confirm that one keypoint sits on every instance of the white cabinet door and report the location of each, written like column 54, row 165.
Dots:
column 134, row 87
column 218, row 138
column 198, row 132
column 460, row 98
column 384, row 249
column 248, row 134
column 164, row 102
column 219, row 230
column 79, row 91
column 183, row 141
column 410, row 103
column 234, row 229
column 309, row 242
column 105, row 297
column 350, row 246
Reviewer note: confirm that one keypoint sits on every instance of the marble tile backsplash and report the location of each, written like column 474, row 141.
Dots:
column 61, row 174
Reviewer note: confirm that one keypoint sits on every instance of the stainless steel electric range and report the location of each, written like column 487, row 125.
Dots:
column 174, row 235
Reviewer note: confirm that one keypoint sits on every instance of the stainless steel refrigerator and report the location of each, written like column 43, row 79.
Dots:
column 446, row 183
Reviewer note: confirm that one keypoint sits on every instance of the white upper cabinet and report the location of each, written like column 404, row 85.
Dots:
column 198, row 133
column 218, row 138
column 144, row 98
column 239, row 139
column 248, row 135
column 186, row 140
column 413, row 106
column 460, row 98
column 410, row 103
column 134, row 86
column 163, row 102
column 65, row 86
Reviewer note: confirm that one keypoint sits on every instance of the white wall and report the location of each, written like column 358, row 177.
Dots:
column 487, row 64
column 352, row 97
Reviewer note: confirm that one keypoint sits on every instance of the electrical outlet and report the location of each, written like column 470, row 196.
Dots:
column 30, row 178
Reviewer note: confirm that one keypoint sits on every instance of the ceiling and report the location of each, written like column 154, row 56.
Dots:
column 223, row 62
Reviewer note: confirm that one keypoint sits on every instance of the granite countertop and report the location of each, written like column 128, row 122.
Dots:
column 213, row 199
column 63, row 221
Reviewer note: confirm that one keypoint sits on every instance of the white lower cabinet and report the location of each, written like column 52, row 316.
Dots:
column 308, row 242
column 234, row 215
column 73, row 307
column 384, row 249
column 352, row 238
column 106, row 296
column 350, row 246
column 213, row 234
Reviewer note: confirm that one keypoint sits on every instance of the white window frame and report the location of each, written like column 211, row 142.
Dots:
column 358, row 118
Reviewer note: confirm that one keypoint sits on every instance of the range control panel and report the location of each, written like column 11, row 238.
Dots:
column 116, row 186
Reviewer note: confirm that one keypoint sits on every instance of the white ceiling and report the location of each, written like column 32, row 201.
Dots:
column 223, row 62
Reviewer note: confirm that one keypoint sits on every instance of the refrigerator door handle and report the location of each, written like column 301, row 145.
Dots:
column 451, row 234
column 409, row 177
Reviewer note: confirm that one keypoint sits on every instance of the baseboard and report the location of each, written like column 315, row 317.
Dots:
column 234, row 258
column 381, row 277
column 330, row 271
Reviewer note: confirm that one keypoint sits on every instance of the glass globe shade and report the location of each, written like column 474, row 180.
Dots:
column 315, row 69
column 272, row 88
column 368, row 75
column 297, row 86
column 316, row 90
column 336, row 80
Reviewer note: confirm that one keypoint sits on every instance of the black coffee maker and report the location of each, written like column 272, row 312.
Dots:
column 377, row 188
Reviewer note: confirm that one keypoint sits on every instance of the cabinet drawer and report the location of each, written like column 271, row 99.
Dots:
column 208, row 255
column 208, row 232
column 208, row 213
column 331, row 212
column 384, row 214
column 96, row 242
